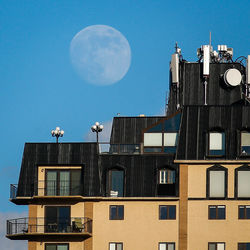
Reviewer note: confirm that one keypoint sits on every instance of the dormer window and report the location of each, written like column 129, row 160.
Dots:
column 163, row 136
column 116, row 183
column 166, row 176
column 166, row 182
column 216, row 143
column 170, row 142
column 245, row 143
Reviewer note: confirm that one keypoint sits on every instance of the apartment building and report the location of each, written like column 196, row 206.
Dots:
column 179, row 181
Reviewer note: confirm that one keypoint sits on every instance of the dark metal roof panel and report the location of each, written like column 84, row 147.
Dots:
column 82, row 154
column 128, row 130
column 197, row 121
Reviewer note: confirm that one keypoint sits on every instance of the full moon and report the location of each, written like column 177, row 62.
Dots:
column 100, row 54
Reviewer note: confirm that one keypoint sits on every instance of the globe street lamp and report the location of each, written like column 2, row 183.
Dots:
column 97, row 128
column 57, row 133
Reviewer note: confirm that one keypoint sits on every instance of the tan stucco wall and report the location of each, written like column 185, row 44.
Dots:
column 140, row 229
column 201, row 230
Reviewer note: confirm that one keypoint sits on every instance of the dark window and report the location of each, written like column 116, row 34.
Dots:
column 54, row 246
column 116, row 212
column 115, row 246
column 244, row 212
column 217, row 212
column 216, row 143
column 243, row 246
column 63, row 182
column 216, row 246
column 245, row 143
column 57, row 218
column 166, row 246
column 116, row 183
column 167, row 212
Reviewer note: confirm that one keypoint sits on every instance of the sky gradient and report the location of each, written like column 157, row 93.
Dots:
column 40, row 89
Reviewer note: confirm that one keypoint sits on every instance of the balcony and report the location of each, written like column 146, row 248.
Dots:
column 46, row 189
column 107, row 148
column 37, row 228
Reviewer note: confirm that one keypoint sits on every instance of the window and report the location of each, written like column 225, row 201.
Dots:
column 244, row 212
column 116, row 183
column 166, row 182
column 217, row 182
column 116, row 246
column 243, row 246
column 216, row 144
column 57, row 219
column 50, row 246
column 167, row 212
column 63, row 182
column 170, row 142
column 116, row 212
column 216, row 246
column 217, row 212
column 166, row 246
column 166, row 176
column 152, row 139
column 245, row 143
column 243, row 183
column 163, row 136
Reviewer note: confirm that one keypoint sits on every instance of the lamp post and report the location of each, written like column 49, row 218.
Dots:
column 57, row 133
column 97, row 128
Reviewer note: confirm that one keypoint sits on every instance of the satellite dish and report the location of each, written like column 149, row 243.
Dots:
column 232, row 77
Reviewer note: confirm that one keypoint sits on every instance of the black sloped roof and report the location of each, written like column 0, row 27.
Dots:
column 128, row 130
column 197, row 121
column 53, row 154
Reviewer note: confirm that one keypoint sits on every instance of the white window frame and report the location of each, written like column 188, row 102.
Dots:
column 163, row 173
column 114, row 245
column 165, row 245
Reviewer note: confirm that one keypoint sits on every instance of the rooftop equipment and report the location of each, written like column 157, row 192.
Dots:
column 174, row 67
column 232, row 77
column 248, row 70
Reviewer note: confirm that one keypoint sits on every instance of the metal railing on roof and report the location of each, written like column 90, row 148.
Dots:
column 110, row 148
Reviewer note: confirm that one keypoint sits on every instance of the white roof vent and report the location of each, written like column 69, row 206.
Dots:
column 232, row 77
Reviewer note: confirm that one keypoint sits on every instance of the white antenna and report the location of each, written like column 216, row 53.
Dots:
column 210, row 39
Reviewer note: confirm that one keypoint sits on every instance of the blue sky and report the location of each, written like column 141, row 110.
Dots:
column 40, row 89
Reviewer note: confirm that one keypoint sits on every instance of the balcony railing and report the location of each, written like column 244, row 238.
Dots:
column 13, row 191
column 50, row 188
column 42, row 225
column 107, row 148
column 57, row 188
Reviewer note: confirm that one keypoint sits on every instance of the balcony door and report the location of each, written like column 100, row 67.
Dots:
column 63, row 182
column 57, row 219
